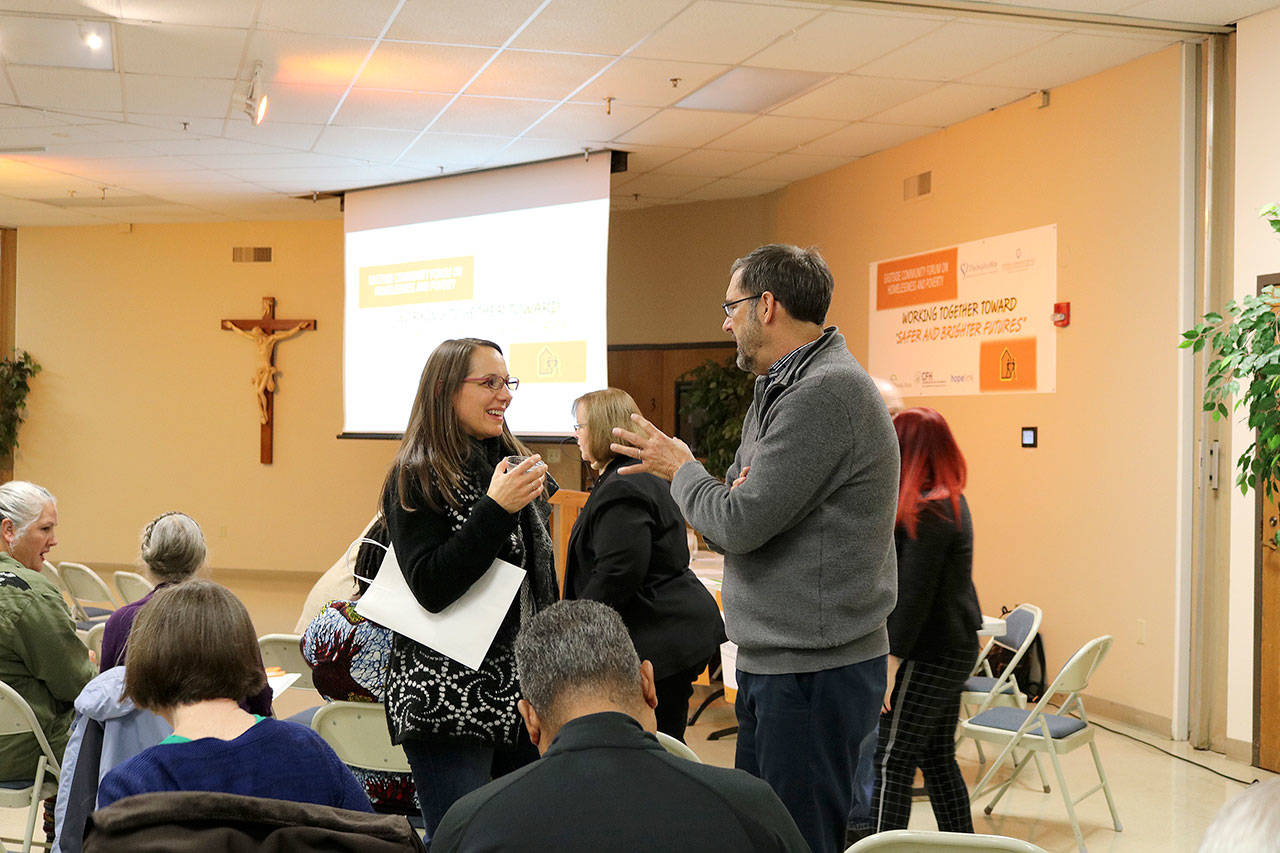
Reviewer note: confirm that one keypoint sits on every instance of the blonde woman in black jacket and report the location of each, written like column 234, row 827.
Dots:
column 628, row 549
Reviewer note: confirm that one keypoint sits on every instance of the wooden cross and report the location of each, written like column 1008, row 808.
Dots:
column 267, row 331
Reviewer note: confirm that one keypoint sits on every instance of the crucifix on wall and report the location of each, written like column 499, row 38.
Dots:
column 267, row 331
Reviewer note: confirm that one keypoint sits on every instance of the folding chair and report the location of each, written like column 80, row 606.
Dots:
column 357, row 731
column 285, row 651
column 92, row 638
column 1041, row 730
column 87, row 591
column 16, row 717
column 131, row 586
column 677, row 747
column 984, row 690
column 913, row 840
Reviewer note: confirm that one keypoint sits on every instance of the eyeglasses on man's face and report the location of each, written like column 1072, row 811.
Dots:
column 728, row 306
column 494, row 382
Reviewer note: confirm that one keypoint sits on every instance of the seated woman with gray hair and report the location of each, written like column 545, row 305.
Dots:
column 172, row 551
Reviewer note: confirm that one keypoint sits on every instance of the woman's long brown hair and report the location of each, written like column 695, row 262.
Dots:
column 434, row 452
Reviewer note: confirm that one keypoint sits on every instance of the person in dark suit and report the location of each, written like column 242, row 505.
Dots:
column 628, row 549
column 604, row 783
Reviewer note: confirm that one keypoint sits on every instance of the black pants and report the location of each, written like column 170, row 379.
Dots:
column 920, row 731
column 673, row 701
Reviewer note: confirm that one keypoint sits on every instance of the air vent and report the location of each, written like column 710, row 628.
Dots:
column 917, row 185
column 251, row 254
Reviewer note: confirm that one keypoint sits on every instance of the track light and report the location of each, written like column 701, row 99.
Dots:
column 255, row 104
column 90, row 36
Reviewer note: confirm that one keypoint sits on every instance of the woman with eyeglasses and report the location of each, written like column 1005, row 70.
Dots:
column 628, row 549
column 453, row 503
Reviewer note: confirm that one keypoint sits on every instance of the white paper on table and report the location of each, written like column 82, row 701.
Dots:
column 464, row 630
column 282, row 682
column 729, row 664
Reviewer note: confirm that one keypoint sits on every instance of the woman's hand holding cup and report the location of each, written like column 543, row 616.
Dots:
column 516, row 481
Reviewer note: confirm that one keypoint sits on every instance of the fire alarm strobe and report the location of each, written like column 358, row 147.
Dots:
column 1061, row 315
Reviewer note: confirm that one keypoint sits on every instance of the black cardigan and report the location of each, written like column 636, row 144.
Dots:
column 937, row 606
column 628, row 550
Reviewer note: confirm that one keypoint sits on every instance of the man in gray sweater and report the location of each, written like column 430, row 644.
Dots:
column 805, row 518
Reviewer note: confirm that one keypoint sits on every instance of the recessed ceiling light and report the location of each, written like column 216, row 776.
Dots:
column 94, row 41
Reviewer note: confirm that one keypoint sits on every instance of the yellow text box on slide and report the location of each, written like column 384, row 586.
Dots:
column 415, row 282
column 549, row 361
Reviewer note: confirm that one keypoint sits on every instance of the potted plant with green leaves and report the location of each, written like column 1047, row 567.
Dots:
column 15, row 383
column 716, row 395
column 1243, row 372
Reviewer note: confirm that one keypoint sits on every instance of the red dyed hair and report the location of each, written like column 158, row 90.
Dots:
column 933, row 467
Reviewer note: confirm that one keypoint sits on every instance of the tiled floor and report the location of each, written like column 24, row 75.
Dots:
column 1165, row 803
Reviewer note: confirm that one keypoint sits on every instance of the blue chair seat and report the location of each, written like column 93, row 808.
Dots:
column 983, row 684
column 1009, row 719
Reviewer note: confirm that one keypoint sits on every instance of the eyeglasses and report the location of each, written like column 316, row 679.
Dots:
column 577, row 427
column 728, row 306
column 494, row 382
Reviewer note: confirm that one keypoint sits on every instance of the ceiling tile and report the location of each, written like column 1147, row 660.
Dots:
column 180, row 51
column 481, row 22
column 585, row 122
column 733, row 188
column 123, row 130
column 302, row 104
column 123, row 165
column 792, row 167
column 1067, row 58
column 950, row 103
column 56, row 7
column 442, row 149
column 685, row 128
column 66, row 88
column 327, row 17
column 840, row 41
column 721, row 32
column 863, row 138
column 240, row 163
column 853, row 98
column 708, row 163
column 308, row 60
column 527, row 150
column 647, row 82
column 98, row 149
column 207, row 147
column 202, row 13
column 391, row 110
column 491, row 116
column 1220, row 12
column 776, row 133
column 286, row 135
column 589, row 26
column 957, row 49
column 366, row 143
column 199, row 126
column 537, row 75
column 663, row 186
column 183, row 97
column 34, row 214
column 23, row 117
column 422, row 68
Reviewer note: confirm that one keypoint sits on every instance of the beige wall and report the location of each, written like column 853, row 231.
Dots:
column 145, row 405
column 1085, row 524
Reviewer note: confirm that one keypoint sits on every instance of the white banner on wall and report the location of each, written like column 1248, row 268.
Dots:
column 968, row 319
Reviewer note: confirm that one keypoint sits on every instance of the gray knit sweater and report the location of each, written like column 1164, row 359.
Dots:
column 810, row 571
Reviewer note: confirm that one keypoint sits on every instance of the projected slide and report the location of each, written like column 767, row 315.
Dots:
column 531, row 280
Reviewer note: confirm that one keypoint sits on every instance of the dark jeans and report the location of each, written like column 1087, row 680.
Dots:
column 801, row 733
column 444, row 771
column 673, row 701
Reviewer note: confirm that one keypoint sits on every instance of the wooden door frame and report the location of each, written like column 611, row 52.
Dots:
column 1259, row 516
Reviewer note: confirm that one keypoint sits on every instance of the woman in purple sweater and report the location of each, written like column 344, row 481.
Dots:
column 172, row 551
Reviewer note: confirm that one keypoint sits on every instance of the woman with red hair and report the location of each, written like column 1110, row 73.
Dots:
column 933, row 639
